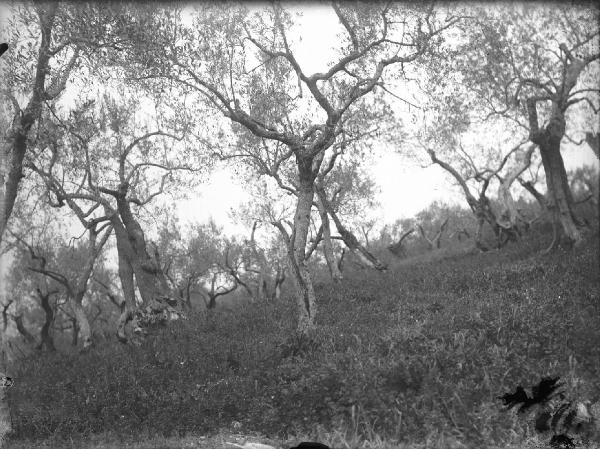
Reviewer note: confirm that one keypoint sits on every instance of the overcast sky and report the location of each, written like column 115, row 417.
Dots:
column 405, row 187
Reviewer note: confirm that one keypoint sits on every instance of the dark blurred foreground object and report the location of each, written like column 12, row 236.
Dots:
column 3, row 48
column 554, row 413
column 6, row 381
column 540, row 394
column 309, row 445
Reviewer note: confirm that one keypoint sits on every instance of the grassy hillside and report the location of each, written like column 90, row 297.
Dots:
column 414, row 357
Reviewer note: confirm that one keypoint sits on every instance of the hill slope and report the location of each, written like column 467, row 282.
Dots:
column 417, row 355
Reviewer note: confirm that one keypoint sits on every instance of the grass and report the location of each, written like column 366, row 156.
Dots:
column 412, row 358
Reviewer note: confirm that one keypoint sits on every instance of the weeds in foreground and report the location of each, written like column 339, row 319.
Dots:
column 413, row 358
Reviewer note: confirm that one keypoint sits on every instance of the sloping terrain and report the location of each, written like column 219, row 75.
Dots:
column 415, row 357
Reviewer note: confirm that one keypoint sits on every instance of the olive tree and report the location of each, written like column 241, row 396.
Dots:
column 48, row 43
column 106, row 164
column 245, row 64
column 536, row 66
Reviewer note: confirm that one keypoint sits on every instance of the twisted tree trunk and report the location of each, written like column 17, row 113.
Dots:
column 559, row 197
column 308, row 168
column 136, row 262
column 30, row 339
column 305, row 294
column 509, row 214
column 279, row 280
column 436, row 241
column 349, row 238
column 12, row 154
column 151, row 281
column 481, row 208
column 397, row 248
column 46, row 339
column 334, row 271
column 75, row 334
column 77, row 292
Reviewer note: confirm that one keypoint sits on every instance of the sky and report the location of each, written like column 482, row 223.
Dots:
column 405, row 187
column 317, row 28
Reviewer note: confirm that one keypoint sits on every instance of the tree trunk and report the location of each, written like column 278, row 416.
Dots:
column 560, row 200
column 397, row 249
column 261, row 287
column 212, row 302
column 509, row 214
column 593, row 140
column 541, row 199
column 340, row 263
column 82, row 329
column 279, row 279
column 30, row 339
column 5, row 413
column 128, row 305
column 75, row 334
column 335, row 273
column 480, row 207
column 435, row 242
column 10, row 181
column 151, row 281
column 559, row 193
column 349, row 238
column 135, row 261
column 24, row 120
column 305, row 294
column 5, row 315
column 262, row 290
column 46, row 339
column 82, row 326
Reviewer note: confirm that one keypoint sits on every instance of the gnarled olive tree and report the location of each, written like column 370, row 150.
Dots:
column 100, row 161
column 246, row 64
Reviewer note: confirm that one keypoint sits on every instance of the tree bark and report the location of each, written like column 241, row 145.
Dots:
column 30, row 339
column 541, row 199
column 24, row 120
column 334, row 271
column 435, row 242
column 308, row 168
column 481, row 207
column 135, row 262
column 151, row 281
column 212, row 302
column 349, row 238
column 83, row 328
column 128, row 305
column 75, row 330
column 305, row 294
column 509, row 214
column 46, row 339
column 549, row 137
column 396, row 248
column 261, row 287
column 279, row 279
column 77, row 293
column 560, row 199
column 5, row 314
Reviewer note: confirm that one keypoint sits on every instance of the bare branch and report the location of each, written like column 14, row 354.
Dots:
column 136, row 141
